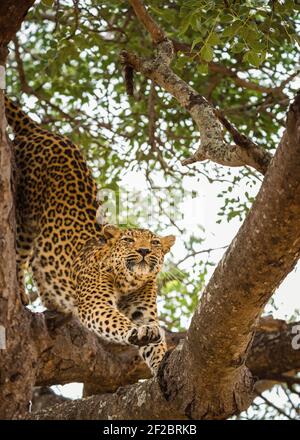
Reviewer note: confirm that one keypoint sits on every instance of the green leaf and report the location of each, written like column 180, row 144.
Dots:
column 238, row 48
column 213, row 39
column 256, row 45
column 254, row 58
column 185, row 24
column 207, row 53
column 181, row 62
column 48, row 2
column 231, row 30
column 202, row 69
column 196, row 41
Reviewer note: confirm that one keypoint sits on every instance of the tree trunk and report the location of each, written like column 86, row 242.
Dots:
column 16, row 357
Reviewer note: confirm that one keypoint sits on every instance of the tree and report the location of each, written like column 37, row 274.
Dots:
column 224, row 63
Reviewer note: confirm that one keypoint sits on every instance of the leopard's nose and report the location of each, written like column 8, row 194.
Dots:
column 143, row 251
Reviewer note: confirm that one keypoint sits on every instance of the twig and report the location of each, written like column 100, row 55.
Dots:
column 269, row 403
column 26, row 88
column 57, row 6
column 203, row 251
column 157, row 34
column 289, row 78
column 218, row 68
column 295, row 408
column 290, row 380
column 243, row 141
column 152, row 115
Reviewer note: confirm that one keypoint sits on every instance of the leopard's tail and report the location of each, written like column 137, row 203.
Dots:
column 17, row 119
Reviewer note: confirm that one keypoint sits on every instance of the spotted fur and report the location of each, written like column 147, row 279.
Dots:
column 106, row 276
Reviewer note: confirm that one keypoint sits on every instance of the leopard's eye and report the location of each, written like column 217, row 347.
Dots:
column 155, row 242
column 128, row 239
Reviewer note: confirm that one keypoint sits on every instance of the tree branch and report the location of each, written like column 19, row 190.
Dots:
column 16, row 356
column 277, row 408
column 233, row 74
column 73, row 354
column 157, row 34
column 213, row 145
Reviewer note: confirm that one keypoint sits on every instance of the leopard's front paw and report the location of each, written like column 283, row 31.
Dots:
column 145, row 335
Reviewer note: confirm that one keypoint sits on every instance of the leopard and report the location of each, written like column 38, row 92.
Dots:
column 102, row 274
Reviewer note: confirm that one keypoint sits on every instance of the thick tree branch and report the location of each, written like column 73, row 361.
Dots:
column 157, row 34
column 212, row 145
column 73, row 354
column 206, row 377
column 272, row 354
column 16, row 355
column 12, row 14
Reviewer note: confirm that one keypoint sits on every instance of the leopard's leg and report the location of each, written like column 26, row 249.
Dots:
column 55, row 290
column 21, row 266
column 153, row 355
column 27, row 228
column 96, row 309
column 141, row 308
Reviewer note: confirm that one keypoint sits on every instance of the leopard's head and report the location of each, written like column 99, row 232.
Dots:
column 137, row 253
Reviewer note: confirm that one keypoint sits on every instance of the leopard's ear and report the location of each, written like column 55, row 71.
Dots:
column 167, row 242
column 111, row 231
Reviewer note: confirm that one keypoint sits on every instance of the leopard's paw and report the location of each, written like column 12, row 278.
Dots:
column 145, row 335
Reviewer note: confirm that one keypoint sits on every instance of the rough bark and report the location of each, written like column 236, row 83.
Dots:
column 16, row 357
column 73, row 354
column 271, row 357
column 206, row 377
column 264, row 251
column 43, row 397
column 12, row 14
column 272, row 354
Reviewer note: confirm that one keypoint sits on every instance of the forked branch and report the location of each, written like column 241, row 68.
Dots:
column 209, row 121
